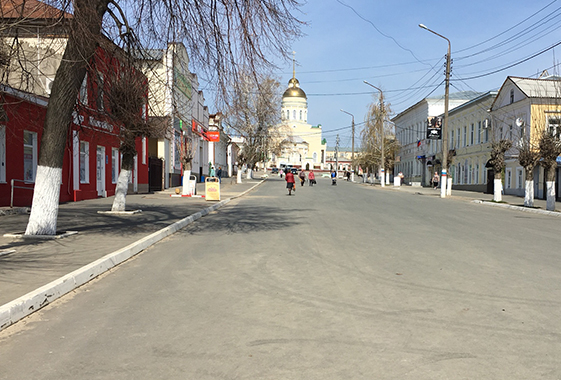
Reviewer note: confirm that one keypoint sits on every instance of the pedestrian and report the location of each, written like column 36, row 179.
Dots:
column 348, row 175
column 212, row 172
column 302, row 177
column 401, row 176
column 311, row 178
column 333, row 178
column 435, row 180
column 219, row 174
column 290, row 185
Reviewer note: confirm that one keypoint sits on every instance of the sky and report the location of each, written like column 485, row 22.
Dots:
column 349, row 41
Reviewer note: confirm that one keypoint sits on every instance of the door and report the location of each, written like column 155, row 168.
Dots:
column 100, row 171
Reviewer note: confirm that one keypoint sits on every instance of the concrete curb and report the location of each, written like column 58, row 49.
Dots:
column 518, row 208
column 27, row 304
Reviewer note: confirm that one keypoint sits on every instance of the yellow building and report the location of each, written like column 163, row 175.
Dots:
column 302, row 142
column 524, row 108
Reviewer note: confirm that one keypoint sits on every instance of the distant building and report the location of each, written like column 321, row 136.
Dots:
column 302, row 146
column 343, row 159
column 417, row 157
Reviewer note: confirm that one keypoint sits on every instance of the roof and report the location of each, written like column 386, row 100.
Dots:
column 30, row 9
column 549, row 87
column 294, row 90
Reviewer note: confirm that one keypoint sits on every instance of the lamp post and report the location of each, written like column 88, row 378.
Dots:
column 353, row 145
column 444, row 179
column 382, row 110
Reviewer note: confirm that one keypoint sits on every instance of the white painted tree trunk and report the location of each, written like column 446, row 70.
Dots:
column 249, row 173
column 550, row 202
column 529, row 194
column 120, row 201
column 497, row 190
column 46, row 196
column 449, row 187
column 239, row 176
column 186, row 190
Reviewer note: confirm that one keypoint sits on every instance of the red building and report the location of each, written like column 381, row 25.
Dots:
column 91, row 160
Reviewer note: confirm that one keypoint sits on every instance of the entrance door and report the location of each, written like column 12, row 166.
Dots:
column 100, row 171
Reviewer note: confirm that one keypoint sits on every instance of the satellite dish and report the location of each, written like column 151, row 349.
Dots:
column 519, row 122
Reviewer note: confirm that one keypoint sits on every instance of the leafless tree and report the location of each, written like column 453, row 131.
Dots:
column 371, row 138
column 219, row 36
column 255, row 115
column 529, row 157
column 550, row 149
column 497, row 160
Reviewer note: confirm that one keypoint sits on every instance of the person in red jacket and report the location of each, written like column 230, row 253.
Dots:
column 290, row 182
column 311, row 178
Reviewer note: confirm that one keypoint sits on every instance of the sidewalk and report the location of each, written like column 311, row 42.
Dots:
column 508, row 201
column 28, row 264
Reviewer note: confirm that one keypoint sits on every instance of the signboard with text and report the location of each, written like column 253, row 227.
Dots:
column 434, row 128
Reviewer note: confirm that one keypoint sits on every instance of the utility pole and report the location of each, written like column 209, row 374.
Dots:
column 382, row 149
column 444, row 179
column 337, row 154
column 353, row 145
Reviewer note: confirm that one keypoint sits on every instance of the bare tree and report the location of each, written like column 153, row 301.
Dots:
column 255, row 115
column 374, row 135
column 219, row 36
column 550, row 149
column 529, row 157
column 497, row 161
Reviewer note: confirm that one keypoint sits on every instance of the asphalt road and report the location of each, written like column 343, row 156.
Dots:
column 336, row 282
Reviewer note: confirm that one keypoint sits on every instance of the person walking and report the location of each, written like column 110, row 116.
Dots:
column 219, row 174
column 212, row 172
column 311, row 178
column 435, row 180
column 333, row 178
column 302, row 176
column 290, row 184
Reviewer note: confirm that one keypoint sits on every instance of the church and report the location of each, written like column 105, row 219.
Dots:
column 302, row 145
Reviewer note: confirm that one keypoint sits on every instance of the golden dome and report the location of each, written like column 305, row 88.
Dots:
column 294, row 90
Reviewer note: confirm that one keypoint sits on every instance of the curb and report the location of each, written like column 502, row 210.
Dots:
column 518, row 208
column 29, row 303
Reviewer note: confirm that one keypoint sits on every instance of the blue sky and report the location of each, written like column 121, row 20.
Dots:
column 341, row 49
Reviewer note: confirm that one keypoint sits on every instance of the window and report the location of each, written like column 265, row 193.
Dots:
column 508, row 179
column 476, row 173
column 486, row 134
column 471, row 133
column 84, row 162
column 84, row 91
column 144, row 150
column 511, row 96
column 510, row 135
column 519, row 176
column 478, row 138
column 555, row 126
column 114, row 165
column 300, row 114
column 465, row 136
column 294, row 114
column 458, row 138
column 29, row 156
column 287, row 114
column 452, row 139
column 315, row 157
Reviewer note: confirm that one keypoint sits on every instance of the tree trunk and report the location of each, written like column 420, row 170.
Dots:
column 120, row 201
column 239, row 175
column 498, row 188
column 249, row 173
column 550, row 186
column 80, row 47
column 529, row 194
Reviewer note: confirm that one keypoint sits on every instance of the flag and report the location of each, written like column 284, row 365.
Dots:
column 418, row 143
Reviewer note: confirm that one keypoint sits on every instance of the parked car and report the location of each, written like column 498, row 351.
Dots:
column 294, row 170
column 275, row 170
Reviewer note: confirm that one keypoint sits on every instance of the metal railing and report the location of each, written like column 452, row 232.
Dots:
column 13, row 186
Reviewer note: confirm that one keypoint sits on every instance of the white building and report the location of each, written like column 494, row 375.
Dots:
column 417, row 156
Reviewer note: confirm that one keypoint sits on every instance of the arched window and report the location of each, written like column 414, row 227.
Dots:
column 294, row 114
column 287, row 114
column 300, row 114
column 315, row 156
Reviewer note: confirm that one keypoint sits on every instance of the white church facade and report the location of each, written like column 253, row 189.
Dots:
column 302, row 142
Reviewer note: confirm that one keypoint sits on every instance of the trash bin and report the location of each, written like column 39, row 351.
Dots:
column 192, row 185
column 212, row 189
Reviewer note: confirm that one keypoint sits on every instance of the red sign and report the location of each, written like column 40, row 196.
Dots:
column 213, row 136
column 198, row 129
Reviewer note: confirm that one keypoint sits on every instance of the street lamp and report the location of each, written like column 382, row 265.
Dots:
column 353, row 145
column 382, row 110
column 444, row 180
